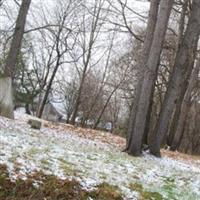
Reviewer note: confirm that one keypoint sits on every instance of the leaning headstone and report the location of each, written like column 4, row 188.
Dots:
column 35, row 124
column 6, row 97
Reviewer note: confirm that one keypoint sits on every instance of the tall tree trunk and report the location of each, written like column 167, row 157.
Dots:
column 179, row 102
column 17, row 39
column 78, row 98
column 59, row 55
column 148, row 119
column 45, row 98
column 87, row 57
column 6, row 89
column 178, row 81
column 104, row 107
column 27, row 109
column 153, row 12
column 149, row 77
column 185, row 108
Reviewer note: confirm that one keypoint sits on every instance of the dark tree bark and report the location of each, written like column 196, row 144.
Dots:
column 17, row 39
column 27, row 109
column 178, row 81
column 185, row 108
column 150, row 77
column 78, row 99
column 178, row 105
column 59, row 55
column 142, row 60
column 148, row 120
column 48, row 89
column 6, row 89
column 105, row 106
column 87, row 53
column 179, row 102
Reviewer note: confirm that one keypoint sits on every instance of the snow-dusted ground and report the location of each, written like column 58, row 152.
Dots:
column 92, row 162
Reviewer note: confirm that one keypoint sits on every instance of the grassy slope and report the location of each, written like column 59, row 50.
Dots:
column 66, row 155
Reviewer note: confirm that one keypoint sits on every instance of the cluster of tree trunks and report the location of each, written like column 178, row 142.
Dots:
column 152, row 19
column 178, row 130
column 177, row 101
column 151, row 67
column 177, row 86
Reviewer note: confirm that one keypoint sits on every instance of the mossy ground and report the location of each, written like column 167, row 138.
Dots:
column 40, row 186
column 145, row 195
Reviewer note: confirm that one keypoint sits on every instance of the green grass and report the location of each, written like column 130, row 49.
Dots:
column 33, row 151
column 145, row 195
column 67, row 168
column 169, row 188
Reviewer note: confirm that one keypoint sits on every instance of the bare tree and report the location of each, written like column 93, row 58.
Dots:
column 99, row 90
column 87, row 46
column 6, row 96
column 61, row 37
column 66, row 91
column 115, row 86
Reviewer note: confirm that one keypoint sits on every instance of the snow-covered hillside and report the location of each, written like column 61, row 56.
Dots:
column 66, row 154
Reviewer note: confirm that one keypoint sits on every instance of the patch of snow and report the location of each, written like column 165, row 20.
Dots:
column 66, row 155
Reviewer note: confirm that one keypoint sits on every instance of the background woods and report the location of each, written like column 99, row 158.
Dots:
column 131, row 69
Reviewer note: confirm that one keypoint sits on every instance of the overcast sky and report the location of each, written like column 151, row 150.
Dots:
column 35, row 18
